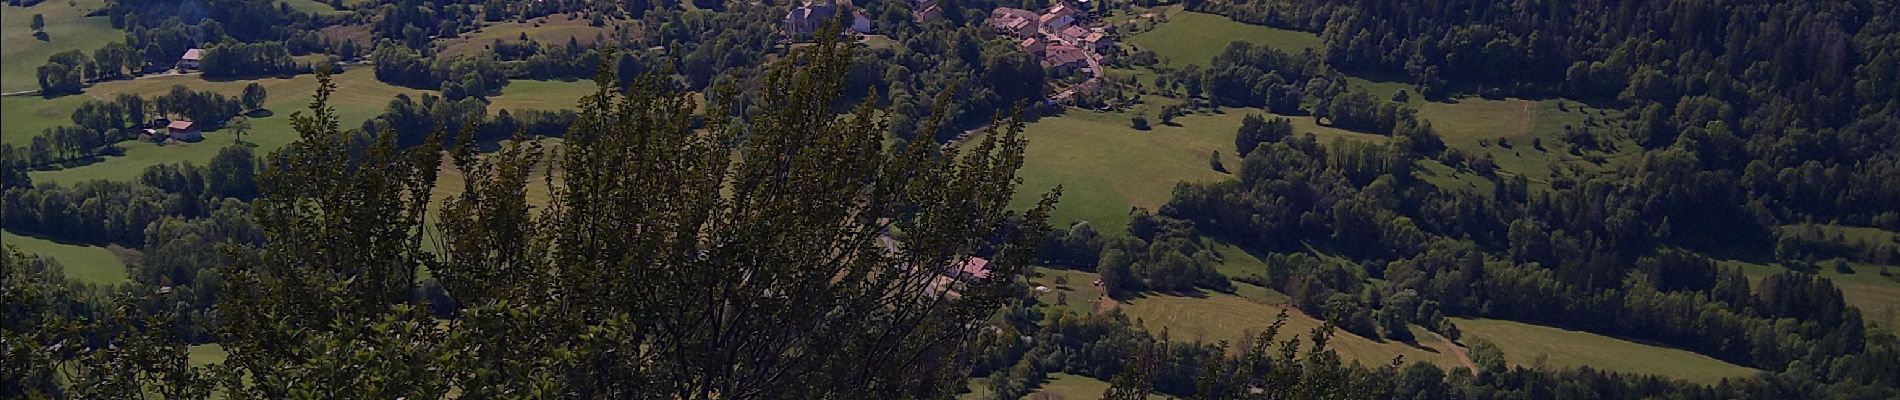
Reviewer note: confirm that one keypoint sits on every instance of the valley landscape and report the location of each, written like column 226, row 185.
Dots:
column 1052, row 199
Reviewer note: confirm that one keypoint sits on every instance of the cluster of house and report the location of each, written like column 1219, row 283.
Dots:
column 1056, row 36
column 174, row 131
column 802, row 21
column 953, row 276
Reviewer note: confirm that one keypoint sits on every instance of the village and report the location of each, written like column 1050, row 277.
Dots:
column 1063, row 38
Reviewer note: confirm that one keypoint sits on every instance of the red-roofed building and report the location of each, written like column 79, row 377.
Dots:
column 1100, row 43
column 1062, row 59
column 184, row 130
column 1072, row 34
column 1033, row 46
column 1012, row 21
column 970, row 270
column 191, row 59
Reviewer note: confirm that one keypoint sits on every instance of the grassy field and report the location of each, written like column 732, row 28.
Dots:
column 1105, row 167
column 1383, row 87
column 1216, row 316
column 1236, row 262
column 83, row 263
column 1195, row 38
column 359, row 96
column 1071, row 387
column 1075, row 289
column 880, row 42
column 207, row 354
column 67, row 28
column 1446, row 177
column 1524, row 344
column 524, row 94
column 550, row 30
column 1475, row 125
column 1877, row 296
column 28, row 116
column 313, row 7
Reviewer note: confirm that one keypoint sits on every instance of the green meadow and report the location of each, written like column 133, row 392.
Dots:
column 67, row 28
column 1877, row 295
column 313, row 7
column 358, row 97
column 1531, row 345
column 1512, row 130
column 527, row 94
column 1105, row 167
column 1209, row 317
column 1195, row 38
column 549, row 30
column 82, row 263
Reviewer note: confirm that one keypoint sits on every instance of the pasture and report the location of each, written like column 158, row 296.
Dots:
column 1876, row 295
column 67, row 28
column 1105, row 167
column 1208, row 317
column 1195, row 38
column 358, row 97
column 313, row 7
column 526, row 94
column 82, row 263
column 550, row 30
column 1528, row 345
column 1061, row 386
column 1511, row 130
column 1072, row 288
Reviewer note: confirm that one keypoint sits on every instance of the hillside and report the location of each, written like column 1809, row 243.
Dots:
column 1493, row 199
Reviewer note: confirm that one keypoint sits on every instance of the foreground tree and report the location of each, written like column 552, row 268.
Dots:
column 749, row 259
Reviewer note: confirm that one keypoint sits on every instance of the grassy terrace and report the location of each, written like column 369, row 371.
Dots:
column 523, row 94
column 313, row 7
column 1105, row 167
column 1476, row 125
column 358, row 97
column 1195, row 38
column 67, row 28
column 1210, row 317
column 1526, row 344
column 83, row 263
column 1877, row 296
column 549, row 30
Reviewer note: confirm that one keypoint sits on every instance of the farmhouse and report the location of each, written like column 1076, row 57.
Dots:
column 183, row 131
column 1098, row 42
column 806, row 19
column 974, row 269
column 191, row 59
column 1072, row 34
column 1061, row 16
column 1013, row 21
column 1034, row 46
column 800, row 22
column 1063, row 59
column 925, row 11
column 860, row 24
